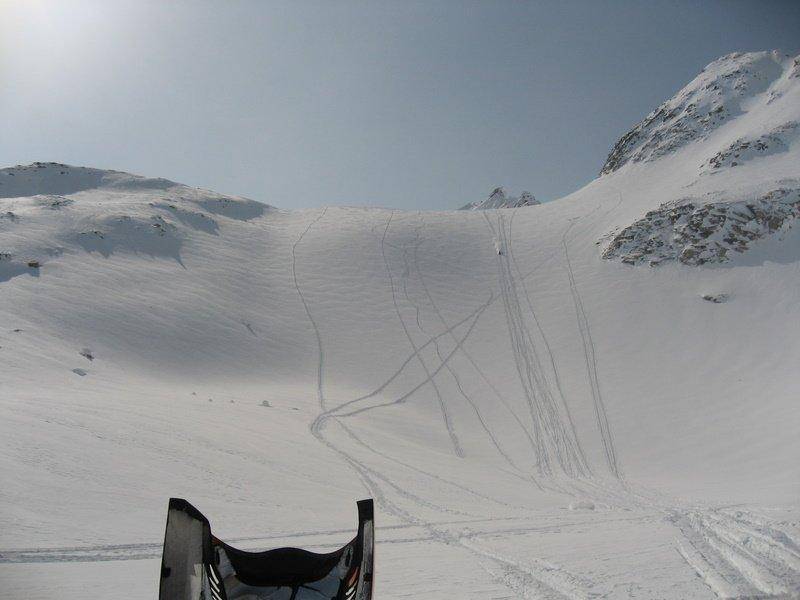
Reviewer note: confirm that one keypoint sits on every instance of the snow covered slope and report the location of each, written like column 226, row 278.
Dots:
column 498, row 199
column 532, row 419
column 728, row 168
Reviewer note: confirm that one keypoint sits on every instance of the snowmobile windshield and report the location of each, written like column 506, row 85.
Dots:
column 196, row 565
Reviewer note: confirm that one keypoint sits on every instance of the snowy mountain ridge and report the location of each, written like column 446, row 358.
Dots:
column 498, row 199
column 731, row 140
column 531, row 419
column 727, row 88
column 136, row 214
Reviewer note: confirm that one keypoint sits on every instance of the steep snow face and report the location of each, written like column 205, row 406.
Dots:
column 725, row 89
column 498, row 199
column 725, row 152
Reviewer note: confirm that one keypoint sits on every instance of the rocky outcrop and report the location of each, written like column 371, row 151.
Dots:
column 696, row 234
column 709, row 101
column 746, row 149
column 499, row 199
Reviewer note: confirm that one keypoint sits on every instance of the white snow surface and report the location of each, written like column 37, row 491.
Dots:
column 533, row 421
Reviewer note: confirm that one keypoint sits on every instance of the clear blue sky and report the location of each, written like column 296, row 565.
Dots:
column 405, row 104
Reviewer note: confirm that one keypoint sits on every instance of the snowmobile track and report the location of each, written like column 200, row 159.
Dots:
column 590, row 355
column 448, row 423
column 449, row 367
column 321, row 362
column 554, row 440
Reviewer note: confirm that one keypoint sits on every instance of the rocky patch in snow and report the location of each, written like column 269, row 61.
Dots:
column 716, row 298
column 695, row 234
column 194, row 219
column 709, row 101
column 53, row 202
column 51, row 183
column 11, row 267
column 240, row 209
column 499, row 199
column 153, row 236
column 745, row 149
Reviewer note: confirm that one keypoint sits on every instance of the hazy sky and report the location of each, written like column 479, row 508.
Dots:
column 402, row 104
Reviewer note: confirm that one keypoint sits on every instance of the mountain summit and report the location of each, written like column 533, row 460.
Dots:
column 498, row 199
column 716, row 166
column 727, row 88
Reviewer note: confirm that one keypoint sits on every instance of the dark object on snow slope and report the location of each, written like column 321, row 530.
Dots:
column 198, row 566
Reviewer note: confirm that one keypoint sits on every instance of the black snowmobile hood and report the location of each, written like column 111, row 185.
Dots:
column 197, row 566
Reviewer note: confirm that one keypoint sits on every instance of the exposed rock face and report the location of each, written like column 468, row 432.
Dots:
column 695, row 234
column 716, row 298
column 498, row 199
column 709, row 101
column 738, row 122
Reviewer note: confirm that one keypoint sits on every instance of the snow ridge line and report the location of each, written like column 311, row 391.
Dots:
column 321, row 361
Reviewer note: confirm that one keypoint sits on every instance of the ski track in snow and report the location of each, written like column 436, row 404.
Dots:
column 442, row 406
column 333, row 411
column 536, row 578
column 548, row 349
column 321, row 364
column 474, row 320
column 590, row 354
column 555, row 440
column 539, row 579
column 736, row 554
column 526, row 577
column 462, row 497
column 450, row 369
